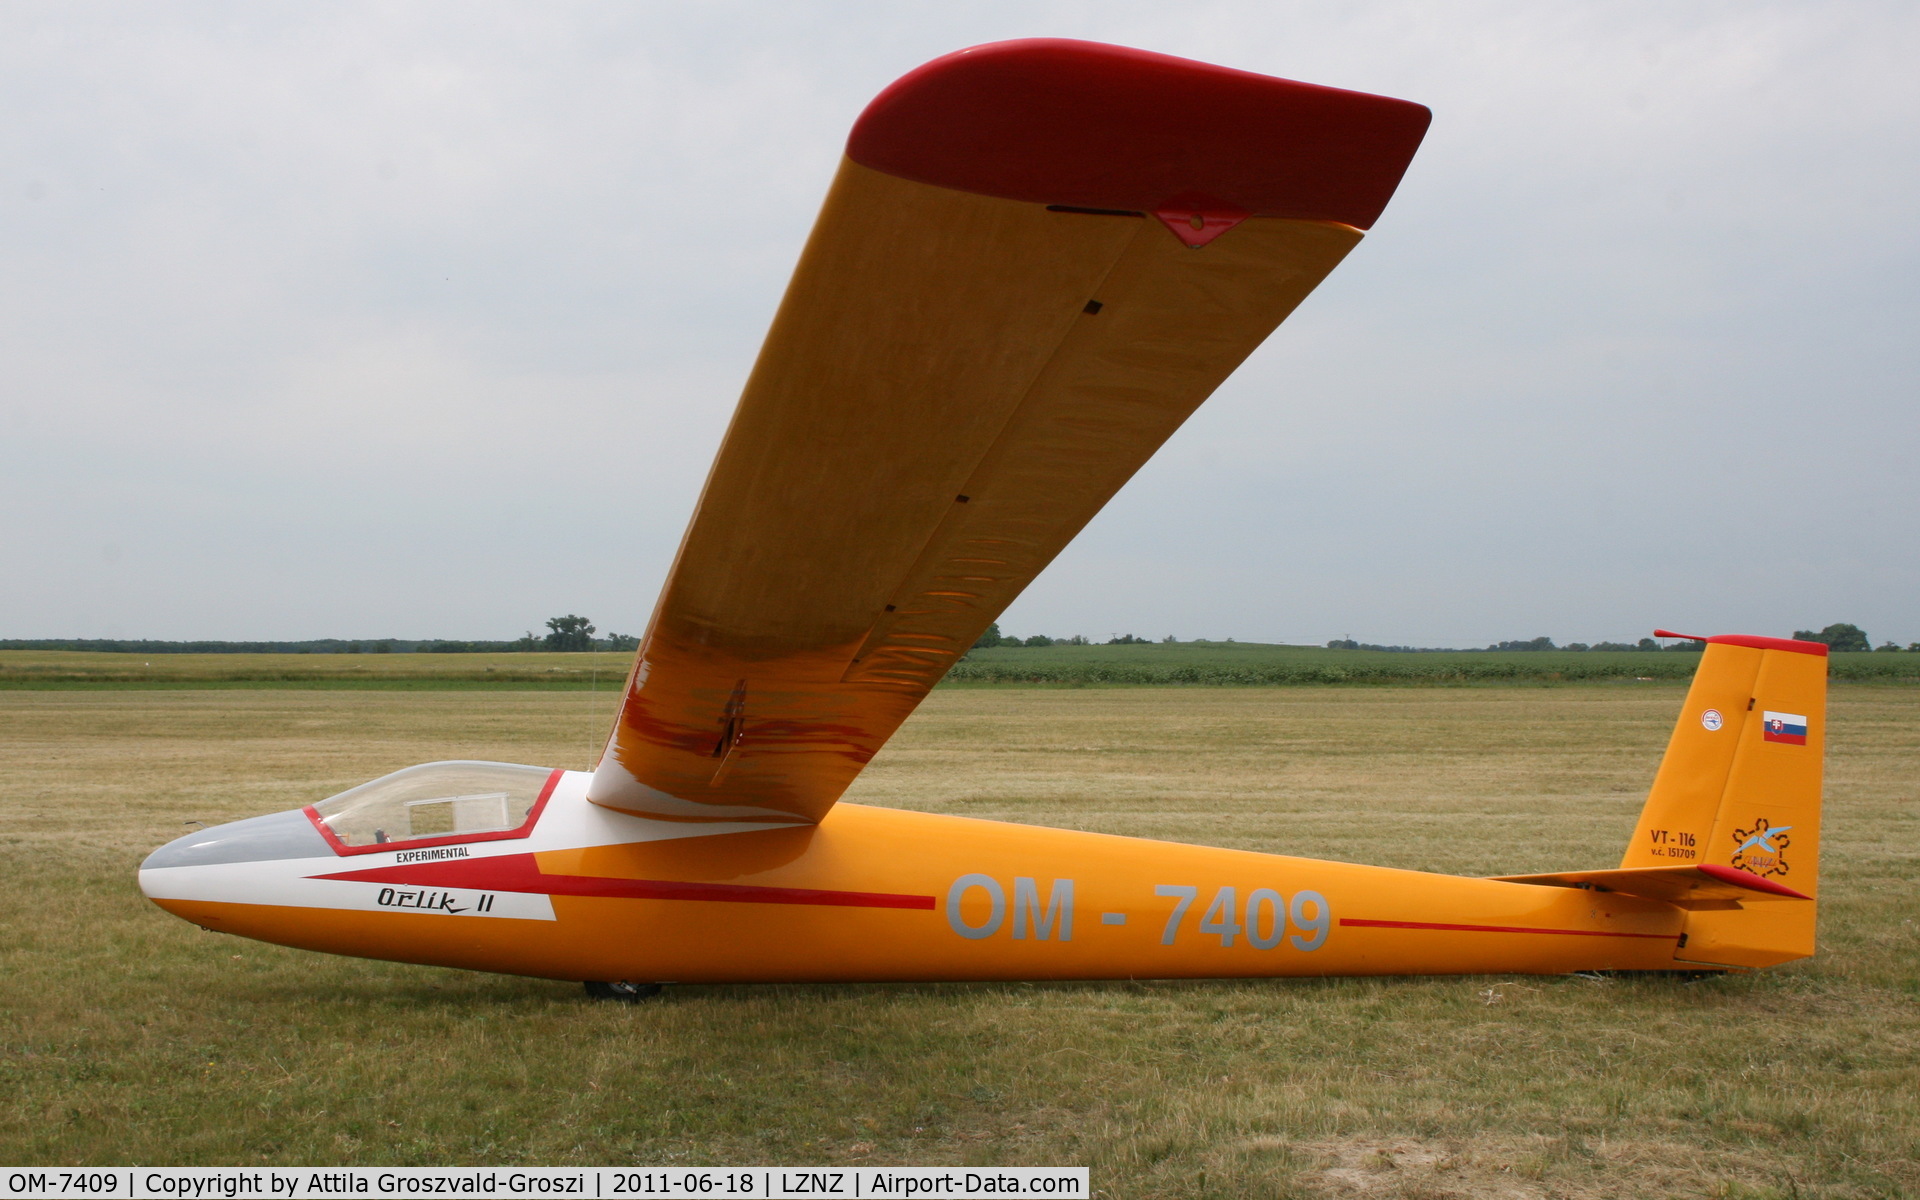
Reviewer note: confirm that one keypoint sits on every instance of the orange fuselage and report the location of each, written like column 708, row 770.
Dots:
column 882, row 894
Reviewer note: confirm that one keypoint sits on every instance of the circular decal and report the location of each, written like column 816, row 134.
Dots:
column 1711, row 719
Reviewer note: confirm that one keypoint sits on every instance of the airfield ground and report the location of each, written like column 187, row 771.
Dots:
column 129, row 1037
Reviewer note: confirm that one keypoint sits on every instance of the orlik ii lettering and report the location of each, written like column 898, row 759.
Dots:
column 428, row 900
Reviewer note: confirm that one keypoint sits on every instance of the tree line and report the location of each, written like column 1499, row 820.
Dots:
column 576, row 633
column 1840, row 636
column 570, row 632
column 993, row 638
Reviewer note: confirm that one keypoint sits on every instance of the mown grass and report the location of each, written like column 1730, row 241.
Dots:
column 128, row 1036
column 1217, row 664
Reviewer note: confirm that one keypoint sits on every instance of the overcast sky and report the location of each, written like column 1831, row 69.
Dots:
column 424, row 320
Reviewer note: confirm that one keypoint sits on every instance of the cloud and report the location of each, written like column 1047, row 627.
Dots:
column 422, row 320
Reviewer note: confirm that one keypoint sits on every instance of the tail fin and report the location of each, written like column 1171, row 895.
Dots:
column 1739, row 790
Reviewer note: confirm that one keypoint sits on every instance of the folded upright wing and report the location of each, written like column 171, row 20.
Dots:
column 1036, row 261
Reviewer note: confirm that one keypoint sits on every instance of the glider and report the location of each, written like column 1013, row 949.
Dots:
column 1036, row 260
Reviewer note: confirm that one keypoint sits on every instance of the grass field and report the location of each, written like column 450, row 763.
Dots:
column 129, row 1037
column 1216, row 664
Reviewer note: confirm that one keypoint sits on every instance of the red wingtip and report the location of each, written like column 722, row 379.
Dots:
column 1087, row 125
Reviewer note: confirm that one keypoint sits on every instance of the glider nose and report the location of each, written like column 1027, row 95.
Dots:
column 257, row 839
column 207, row 863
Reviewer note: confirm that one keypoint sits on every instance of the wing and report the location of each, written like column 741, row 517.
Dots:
column 1037, row 259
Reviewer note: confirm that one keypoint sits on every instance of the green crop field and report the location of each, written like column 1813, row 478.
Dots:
column 1182, row 663
column 1256, row 663
column 129, row 1036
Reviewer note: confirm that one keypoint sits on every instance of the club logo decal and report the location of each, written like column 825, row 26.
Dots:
column 1762, row 850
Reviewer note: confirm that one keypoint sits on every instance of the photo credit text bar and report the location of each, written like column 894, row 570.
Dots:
column 516, row 1183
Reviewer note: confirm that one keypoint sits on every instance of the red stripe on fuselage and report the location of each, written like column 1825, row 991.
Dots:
column 1367, row 924
column 519, row 873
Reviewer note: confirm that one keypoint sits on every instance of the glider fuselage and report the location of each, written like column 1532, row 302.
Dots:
column 876, row 894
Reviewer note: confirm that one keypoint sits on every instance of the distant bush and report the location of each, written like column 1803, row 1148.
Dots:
column 1539, row 643
column 993, row 639
column 1838, row 637
column 568, row 633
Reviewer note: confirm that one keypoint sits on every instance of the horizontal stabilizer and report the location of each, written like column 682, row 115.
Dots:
column 1705, row 886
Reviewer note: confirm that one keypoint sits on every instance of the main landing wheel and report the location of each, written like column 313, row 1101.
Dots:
column 622, row 990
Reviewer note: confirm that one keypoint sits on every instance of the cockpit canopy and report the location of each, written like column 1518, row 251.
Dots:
column 442, row 800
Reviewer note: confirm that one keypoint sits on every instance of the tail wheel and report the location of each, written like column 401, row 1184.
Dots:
column 621, row 990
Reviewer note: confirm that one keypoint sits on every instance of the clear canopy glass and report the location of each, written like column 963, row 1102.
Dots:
column 435, row 800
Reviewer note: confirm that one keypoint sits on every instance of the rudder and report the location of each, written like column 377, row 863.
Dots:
column 1739, row 789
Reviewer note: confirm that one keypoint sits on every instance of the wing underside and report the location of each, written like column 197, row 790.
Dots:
column 955, row 383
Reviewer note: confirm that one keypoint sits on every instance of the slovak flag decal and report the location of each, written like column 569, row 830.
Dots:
column 1790, row 728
